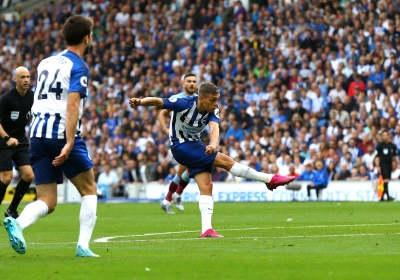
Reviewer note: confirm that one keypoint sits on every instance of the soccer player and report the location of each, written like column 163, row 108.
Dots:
column 15, row 113
column 56, row 145
column 181, row 179
column 189, row 118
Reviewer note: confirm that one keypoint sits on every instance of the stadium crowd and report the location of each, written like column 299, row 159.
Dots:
column 300, row 81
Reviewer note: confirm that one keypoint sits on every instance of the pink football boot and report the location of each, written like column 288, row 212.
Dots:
column 210, row 233
column 279, row 180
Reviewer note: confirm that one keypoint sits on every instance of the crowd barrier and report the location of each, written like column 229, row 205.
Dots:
column 244, row 192
column 223, row 192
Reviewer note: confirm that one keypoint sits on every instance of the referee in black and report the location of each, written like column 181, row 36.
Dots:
column 386, row 153
column 15, row 113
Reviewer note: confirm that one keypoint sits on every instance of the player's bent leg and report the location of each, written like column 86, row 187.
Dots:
column 86, row 185
column 20, row 190
column 183, row 182
column 173, row 186
column 272, row 181
column 206, row 204
column 181, row 169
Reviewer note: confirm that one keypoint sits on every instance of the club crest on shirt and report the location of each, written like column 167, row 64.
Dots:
column 14, row 115
column 28, row 115
column 216, row 113
column 84, row 81
column 385, row 151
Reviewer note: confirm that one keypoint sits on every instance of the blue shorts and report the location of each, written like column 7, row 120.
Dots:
column 192, row 155
column 42, row 153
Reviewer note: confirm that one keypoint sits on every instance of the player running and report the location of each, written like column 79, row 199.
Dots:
column 56, row 145
column 181, row 179
column 189, row 118
column 15, row 113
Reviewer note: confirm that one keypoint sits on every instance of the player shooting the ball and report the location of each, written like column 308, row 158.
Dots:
column 190, row 115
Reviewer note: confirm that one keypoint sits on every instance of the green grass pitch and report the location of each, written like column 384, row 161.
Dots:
column 262, row 241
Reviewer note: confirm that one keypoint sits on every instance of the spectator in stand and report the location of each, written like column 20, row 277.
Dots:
column 107, row 178
column 356, row 85
column 369, row 157
column 219, row 175
column 331, row 171
column 363, row 145
column 338, row 91
column 131, row 172
column 319, row 182
column 363, row 173
column 354, row 150
column 147, row 169
column 344, row 172
column 280, row 118
column 292, row 171
column 309, row 173
column 235, row 131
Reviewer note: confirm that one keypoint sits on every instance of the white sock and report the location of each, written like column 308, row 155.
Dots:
column 166, row 202
column 244, row 171
column 206, row 206
column 32, row 212
column 87, row 218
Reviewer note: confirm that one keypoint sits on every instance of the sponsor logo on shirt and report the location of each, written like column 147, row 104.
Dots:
column 192, row 130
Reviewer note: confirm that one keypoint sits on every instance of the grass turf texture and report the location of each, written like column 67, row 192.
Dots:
column 322, row 241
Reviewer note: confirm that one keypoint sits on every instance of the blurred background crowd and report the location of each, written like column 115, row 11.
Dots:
column 300, row 80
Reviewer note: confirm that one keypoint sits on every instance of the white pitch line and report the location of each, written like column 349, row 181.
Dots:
column 259, row 237
column 107, row 239
column 255, row 238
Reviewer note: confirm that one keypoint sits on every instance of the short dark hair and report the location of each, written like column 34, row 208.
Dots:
column 76, row 28
column 206, row 88
column 189, row 75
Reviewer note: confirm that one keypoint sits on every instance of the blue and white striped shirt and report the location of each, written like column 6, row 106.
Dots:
column 187, row 123
column 58, row 76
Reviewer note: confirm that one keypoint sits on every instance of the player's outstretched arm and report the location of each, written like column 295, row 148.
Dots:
column 161, row 119
column 71, row 120
column 214, row 138
column 147, row 101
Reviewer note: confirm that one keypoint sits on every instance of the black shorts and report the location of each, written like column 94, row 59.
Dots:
column 20, row 156
column 386, row 171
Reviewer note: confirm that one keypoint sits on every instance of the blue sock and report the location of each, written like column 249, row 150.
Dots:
column 185, row 177
column 176, row 179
